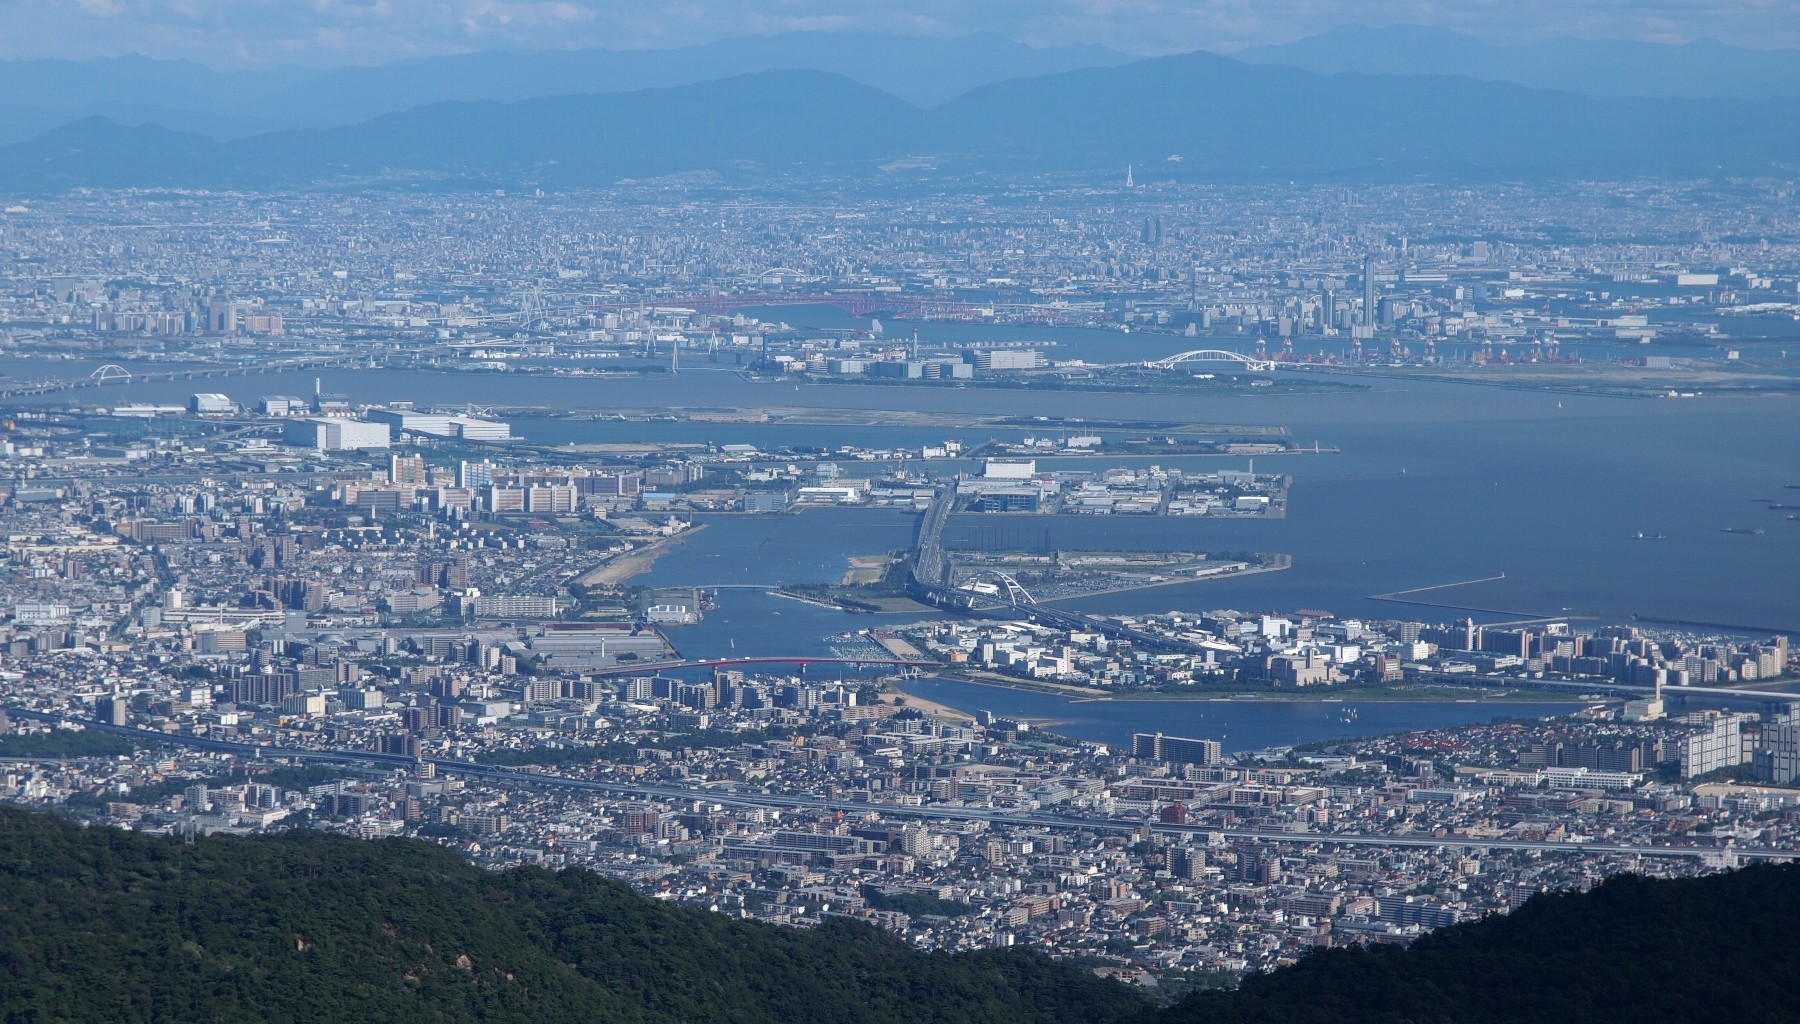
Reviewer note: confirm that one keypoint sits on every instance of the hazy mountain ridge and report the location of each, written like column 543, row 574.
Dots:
column 1222, row 119
column 40, row 95
column 1227, row 119
column 755, row 123
column 183, row 95
column 98, row 153
column 924, row 71
column 1607, row 68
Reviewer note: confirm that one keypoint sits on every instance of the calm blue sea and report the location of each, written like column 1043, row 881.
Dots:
column 1437, row 483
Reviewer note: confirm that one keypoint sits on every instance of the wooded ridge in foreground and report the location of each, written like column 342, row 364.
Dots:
column 104, row 925
column 99, row 925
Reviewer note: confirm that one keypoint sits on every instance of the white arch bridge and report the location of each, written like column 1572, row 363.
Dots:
column 1212, row 355
column 1008, row 589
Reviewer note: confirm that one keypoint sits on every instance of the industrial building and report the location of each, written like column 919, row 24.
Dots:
column 1009, row 359
column 467, row 428
column 211, row 404
column 282, row 405
column 334, row 434
column 515, row 606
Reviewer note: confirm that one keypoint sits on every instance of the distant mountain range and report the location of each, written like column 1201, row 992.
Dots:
column 1190, row 117
column 37, row 95
column 1703, row 69
column 1351, row 104
column 1228, row 120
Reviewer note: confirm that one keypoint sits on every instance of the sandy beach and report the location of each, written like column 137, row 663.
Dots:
column 628, row 565
column 929, row 707
column 864, row 569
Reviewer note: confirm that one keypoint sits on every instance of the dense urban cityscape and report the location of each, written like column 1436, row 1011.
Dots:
column 1564, row 283
column 241, row 600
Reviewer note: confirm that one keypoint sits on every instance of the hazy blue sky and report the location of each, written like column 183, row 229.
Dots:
column 241, row 33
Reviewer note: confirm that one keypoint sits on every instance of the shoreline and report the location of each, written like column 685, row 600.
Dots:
column 864, row 570
column 930, row 707
column 1075, row 695
column 635, row 563
column 849, row 416
column 1188, row 581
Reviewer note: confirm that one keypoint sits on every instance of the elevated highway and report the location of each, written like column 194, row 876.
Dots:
column 111, row 375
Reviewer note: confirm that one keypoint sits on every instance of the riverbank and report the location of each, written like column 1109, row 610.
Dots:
column 864, row 569
column 636, row 562
column 927, row 706
column 846, row 416
column 1238, row 724
column 1321, row 695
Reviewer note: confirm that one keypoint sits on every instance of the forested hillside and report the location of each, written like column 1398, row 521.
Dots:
column 108, row 926
column 1632, row 950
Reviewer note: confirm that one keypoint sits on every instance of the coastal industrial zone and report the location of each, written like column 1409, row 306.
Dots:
column 1278, row 288
column 268, row 603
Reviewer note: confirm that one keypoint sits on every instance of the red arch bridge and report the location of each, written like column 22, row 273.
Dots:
column 651, row 667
